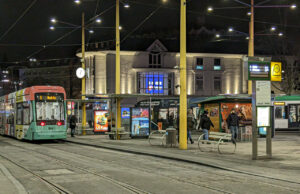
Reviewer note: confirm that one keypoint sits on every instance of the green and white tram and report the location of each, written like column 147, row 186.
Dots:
column 34, row 113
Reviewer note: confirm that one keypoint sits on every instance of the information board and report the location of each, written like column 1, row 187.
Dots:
column 263, row 117
column 258, row 70
column 276, row 71
column 263, row 93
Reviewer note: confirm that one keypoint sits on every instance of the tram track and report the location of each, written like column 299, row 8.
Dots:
column 197, row 183
column 131, row 188
column 54, row 186
column 188, row 161
column 126, row 186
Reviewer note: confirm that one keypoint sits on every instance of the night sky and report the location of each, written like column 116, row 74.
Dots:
column 30, row 35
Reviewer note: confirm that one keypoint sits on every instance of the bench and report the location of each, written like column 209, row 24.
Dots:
column 113, row 133
column 216, row 141
column 160, row 135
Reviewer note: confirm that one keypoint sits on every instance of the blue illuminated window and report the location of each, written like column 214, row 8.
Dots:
column 217, row 67
column 199, row 67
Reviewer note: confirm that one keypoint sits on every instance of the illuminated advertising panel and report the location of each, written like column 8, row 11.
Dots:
column 140, row 122
column 276, row 71
column 125, row 113
column 100, row 121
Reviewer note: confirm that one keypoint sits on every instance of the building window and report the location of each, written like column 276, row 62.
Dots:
column 199, row 64
column 217, row 64
column 155, row 83
column 154, row 60
column 217, row 83
column 199, row 82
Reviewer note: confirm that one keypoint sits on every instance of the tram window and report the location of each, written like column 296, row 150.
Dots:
column 19, row 114
column 279, row 112
column 50, row 111
column 26, row 113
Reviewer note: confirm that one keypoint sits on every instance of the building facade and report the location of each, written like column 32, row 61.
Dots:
column 157, row 71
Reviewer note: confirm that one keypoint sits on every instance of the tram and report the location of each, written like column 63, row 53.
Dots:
column 34, row 113
column 286, row 113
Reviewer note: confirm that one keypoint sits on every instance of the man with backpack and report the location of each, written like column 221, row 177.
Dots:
column 205, row 124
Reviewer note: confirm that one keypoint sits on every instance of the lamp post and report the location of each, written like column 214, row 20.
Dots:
column 183, row 97
column 118, row 119
column 83, row 79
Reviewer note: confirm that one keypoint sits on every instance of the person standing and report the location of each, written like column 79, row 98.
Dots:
column 233, row 124
column 73, row 121
column 205, row 124
column 190, row 124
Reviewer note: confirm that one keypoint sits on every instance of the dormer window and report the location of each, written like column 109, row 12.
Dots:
column 154, row 60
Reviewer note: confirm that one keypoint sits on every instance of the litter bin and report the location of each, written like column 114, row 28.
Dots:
column 171, row 136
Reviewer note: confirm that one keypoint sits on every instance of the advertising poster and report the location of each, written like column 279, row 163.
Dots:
column 100, row 121
column 243, row 110
column 140, row 122
column 213, row 112
column 125, row 113
column 173, row 111
column 163, row 114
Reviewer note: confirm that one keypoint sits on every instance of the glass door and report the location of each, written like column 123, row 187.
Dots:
column 294, row 115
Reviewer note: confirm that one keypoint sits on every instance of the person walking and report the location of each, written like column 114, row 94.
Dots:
column 233, row 124
column 73, row 121
column 205, row 124
column 190, row 124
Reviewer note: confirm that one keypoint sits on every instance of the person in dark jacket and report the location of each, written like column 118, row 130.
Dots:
column 190, row 125
column 73, row 121
column 205, row 124
column 233, row 124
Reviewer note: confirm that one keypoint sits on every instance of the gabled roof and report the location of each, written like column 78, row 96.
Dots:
column 157, row 46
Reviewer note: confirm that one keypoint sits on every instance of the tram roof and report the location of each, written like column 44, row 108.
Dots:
column 287, row 98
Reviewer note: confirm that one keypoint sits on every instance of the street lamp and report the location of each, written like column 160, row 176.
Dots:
column 273, row 28
column 77, row 1
column 210, row 9
column 294, row 6
column 53, row 20
column 98, row 20
column 230, row 29
column 52, row 28
column 280, row 34
column 217, row 35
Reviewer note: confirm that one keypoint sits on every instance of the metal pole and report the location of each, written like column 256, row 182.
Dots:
column 118, row 108
column 183, row 97
column 254, row 121
column 251, row 42
column 83, row 79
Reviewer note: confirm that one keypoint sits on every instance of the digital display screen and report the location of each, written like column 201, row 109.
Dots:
column 259, row 70
column 49, row 97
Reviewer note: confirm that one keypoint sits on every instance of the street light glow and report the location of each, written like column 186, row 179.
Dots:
column 126, row 5
column 217, row 35
column 210, row 9
column 247, row 38
column 120, row 28
column 280, row 34
column 249, row 13
column 77, row 1
column 164, row 1
column 53, row 20
column 230, row 29
column 52, row 28
column 294, row 6
column 91, row 31
column 273, row 28
column 98, row 20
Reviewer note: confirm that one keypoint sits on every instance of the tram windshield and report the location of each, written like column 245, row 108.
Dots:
column 49, row 107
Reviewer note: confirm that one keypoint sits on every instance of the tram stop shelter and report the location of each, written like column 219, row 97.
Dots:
column 219, row 108
column 102, row 111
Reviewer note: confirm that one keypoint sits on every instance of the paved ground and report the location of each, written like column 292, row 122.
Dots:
column 39, row 168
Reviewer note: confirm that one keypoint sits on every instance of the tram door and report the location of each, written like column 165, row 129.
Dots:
column 294, row 116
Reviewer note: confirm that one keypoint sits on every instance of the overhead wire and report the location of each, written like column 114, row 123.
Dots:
column 18, row 19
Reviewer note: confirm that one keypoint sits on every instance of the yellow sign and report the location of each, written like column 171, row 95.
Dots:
column 276, row 71
column 279, row 103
